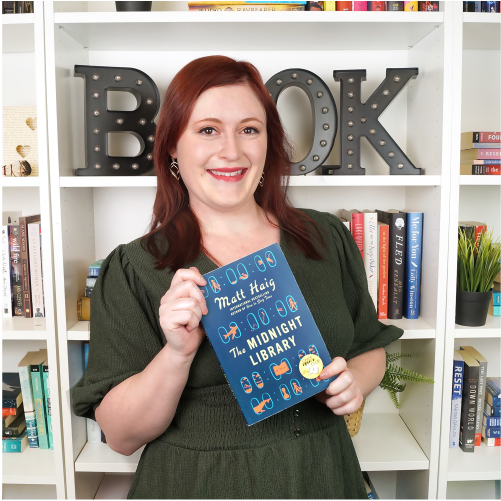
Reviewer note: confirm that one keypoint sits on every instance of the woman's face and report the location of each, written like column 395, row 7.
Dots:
column 226, row 134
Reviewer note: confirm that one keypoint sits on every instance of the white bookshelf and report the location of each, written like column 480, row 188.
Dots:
column 34, row 473
column 477, row 50
column 406, row 448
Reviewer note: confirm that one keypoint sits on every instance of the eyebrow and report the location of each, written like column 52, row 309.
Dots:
column 210, row 119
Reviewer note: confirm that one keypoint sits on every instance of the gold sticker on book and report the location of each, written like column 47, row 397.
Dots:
column 311, row 366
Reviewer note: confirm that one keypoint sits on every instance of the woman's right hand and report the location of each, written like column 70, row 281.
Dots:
column 181, row 310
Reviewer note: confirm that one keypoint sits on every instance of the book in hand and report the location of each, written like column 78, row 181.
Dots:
column 263, row 334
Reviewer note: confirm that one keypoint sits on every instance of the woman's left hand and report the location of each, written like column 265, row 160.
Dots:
column 343, row 395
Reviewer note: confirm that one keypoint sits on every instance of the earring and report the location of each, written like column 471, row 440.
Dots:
column 173, row 165
column 261, row 181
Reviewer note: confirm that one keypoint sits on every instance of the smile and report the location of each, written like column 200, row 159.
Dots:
column 230, row 175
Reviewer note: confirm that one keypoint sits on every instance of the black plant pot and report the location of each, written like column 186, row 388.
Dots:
column 472, row 307
column 132, row 6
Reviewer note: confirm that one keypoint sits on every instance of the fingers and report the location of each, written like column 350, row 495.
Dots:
column 188, row 274
column 337, row 365
column 185, row 289
column 344, row 403
column 179, row 318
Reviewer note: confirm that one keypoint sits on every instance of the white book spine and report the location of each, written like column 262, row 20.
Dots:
column 93, row 432
column 371, row 253
column 6, row 274
column 35, row 269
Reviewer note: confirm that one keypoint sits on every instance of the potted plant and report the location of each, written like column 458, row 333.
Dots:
column 392, row 382
column 479, row 261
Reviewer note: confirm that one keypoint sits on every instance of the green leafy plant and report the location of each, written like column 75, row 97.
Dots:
column 394, row 375
column 478, row 261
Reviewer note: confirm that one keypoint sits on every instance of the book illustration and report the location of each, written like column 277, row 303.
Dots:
column 260, row 328
column 311, row 366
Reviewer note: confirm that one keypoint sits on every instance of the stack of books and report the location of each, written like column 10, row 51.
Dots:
column 26, row 407
column 391, row 246
column 22, row 277
column 247, row 6
column 480, row 153
column 495, row 304
column 488, row 6
column 475, row 409
column 374, row 6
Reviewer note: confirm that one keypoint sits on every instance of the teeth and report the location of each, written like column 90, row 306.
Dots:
column 228, row 174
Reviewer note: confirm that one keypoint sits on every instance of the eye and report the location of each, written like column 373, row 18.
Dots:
column 253, row 129
column 207, row 131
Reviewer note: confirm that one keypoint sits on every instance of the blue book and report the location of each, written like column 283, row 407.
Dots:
column 263, row 333
column 491, row 431
column 491, row 421
column 492, row 411
column 496, row 298
column 412, row 275
column 493, row 391
column 457, row 391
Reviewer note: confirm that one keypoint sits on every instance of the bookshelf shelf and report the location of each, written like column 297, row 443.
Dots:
column 481, row 30
column 284, row 30
column 20, row 182
column 101, row 458
column 492, row 328
column 18, row 33
column 80, row 331
column 32, row 466
column 483, row 464
column 480, row 180
column 20, row 328
column 17, row 19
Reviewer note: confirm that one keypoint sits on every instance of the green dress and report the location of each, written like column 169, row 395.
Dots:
column 208, row 451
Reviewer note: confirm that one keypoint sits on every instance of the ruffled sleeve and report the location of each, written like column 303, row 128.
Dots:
column 369, row 332
column 123, row 340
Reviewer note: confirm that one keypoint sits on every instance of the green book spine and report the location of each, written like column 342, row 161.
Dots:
column 48, row 412
column 37, row 384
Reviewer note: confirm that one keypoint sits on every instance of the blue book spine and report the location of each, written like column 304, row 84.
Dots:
column 492, row 421
column 457, row 391
column 413, row 264
column 492, row 411
column 86, row 355
column 494, row 392
column 496, row 298
column 264, row 334
column 492, row 432
column 486, row 145
column 13, row 444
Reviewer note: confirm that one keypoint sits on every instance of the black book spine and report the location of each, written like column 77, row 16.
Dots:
column 395, row 6
column 396, row 260
column 468, row 408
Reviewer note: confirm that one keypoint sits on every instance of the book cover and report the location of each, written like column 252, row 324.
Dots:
column 15, row 444
column 35, row 269
column 25, row 262
column 24, row 367
column 38, row 397
column 457, row 392
column 371, row 252
column 16, row 272
column 263, row 334
column 12, row 396
column 47, row 406
column 6, row 274
column 413, row 263
column 482, row 375
column 395, row 6
column 469, row 403
column 480, row 154
column 382, row 307
column 396, row 260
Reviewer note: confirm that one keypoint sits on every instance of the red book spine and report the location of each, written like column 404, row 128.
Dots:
column 487, row 137
column 478, row 231
column 383, row 272
column 489, row 153
column 8, row 411
column 375, row 6
column 357, row 230
column 359, row 5
column 25, row 268
column 343, row 5
column 486, row 170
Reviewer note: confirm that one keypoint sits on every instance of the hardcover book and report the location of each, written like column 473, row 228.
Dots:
column 469, row 403
column 457, row 392
column 263, row 333
column 12, row 396
column 15, row 444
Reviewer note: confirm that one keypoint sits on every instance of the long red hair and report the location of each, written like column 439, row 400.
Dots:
column 173, row 220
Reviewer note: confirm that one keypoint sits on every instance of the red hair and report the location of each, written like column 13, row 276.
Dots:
column 173, row 219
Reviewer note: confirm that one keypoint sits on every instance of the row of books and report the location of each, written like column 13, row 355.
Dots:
column 26, row 407
column 480, row 154
column 391, row 245
column 476, row 402
column 269, row 5
column 83, row 302
column 488, row 6
column 22, row 277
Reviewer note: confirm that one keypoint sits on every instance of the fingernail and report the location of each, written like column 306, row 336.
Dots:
column 204, row 281
column 323, row 375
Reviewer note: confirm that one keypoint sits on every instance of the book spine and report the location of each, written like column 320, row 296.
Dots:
column 492, row 432
column 29, row 409
column 370, row 253
column 486, row 170
column 492, row 442
column 47, row 406
column 469, row 6
column 496, row 298
column 411, row 6
column 491, row 397
column 13, row 444
column 343, row 6
column 357, row 230
column 6, row 274
column 36, row 269
column 469, row 408
column 329, row 6
column 376, row 6
column 36, row 381
column 413, row 264
column 489, row 154
column 486, row 162
column 9, row 403
column 395, row 6
column 480, row 402
column 247, row 8
column 360, row 6
column 93, row 432
column 8, row 411
column 486, row 145
column 428, row 6
column 492, row 411
column 491, row 421
column 15, row 258
column 486, row 137
column 396, row 266
column 457, row 392
column 25, row 267
column 493, row 383
column 383, row 272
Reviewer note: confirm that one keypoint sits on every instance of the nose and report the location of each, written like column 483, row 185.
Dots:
column 230, row 148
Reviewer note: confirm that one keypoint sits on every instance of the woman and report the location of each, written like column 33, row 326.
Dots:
column 153, row 377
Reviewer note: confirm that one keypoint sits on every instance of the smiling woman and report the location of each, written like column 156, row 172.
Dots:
column 220, row 154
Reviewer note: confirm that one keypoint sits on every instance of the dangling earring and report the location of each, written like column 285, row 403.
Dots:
column 261, row 181
column 173, row 165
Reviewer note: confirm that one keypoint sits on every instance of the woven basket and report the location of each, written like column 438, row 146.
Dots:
column 354, row 420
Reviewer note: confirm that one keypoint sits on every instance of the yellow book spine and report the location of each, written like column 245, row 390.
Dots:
column 411, row 6
column 329, row 6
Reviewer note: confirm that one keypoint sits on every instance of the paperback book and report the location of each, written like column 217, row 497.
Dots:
column 263, row 334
